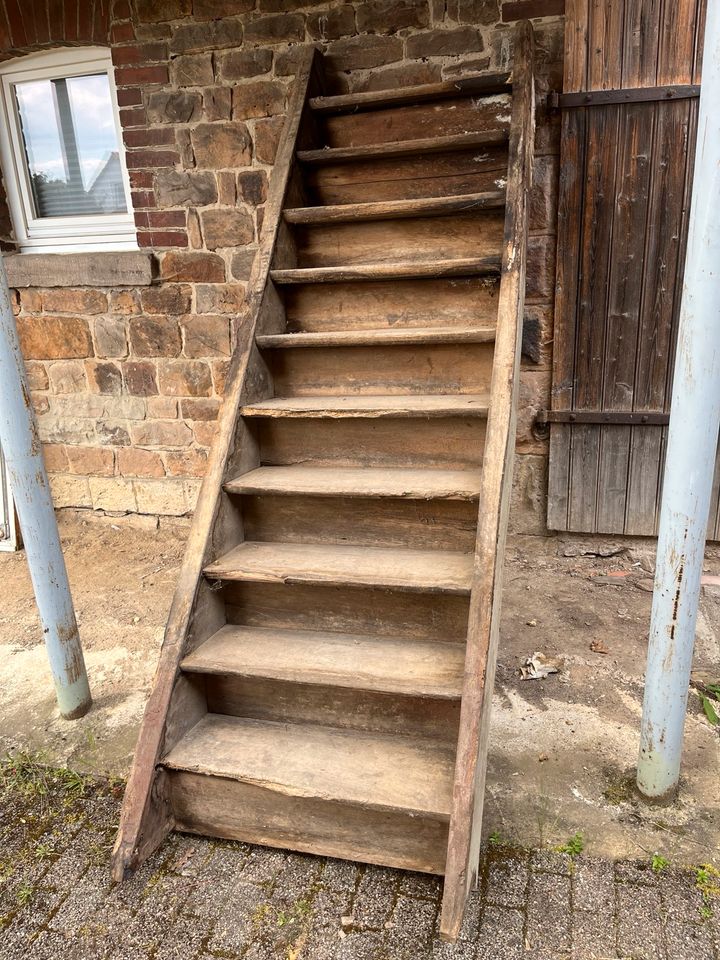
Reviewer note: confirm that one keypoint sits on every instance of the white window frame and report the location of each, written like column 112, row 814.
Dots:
column 57, row 234
column 9, row 534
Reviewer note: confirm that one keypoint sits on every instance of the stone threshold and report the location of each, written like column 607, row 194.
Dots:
column 118, row 268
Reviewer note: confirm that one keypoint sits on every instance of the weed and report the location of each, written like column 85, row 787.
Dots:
column 707, row 880
column 659, row 863
column 709, row 710
column 574, row 846
column 496, row 839
column 43, row 850
column 24, row 895
column 707, row 912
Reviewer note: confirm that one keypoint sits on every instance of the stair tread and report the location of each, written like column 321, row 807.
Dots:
column 488, row 83
column 370, row 406
column 435, row 571
column 381, row 336
column 301, row 760
column 410, row 483
column 394, row 209
column 399, row 270
column 405, row 148
column 402, row 666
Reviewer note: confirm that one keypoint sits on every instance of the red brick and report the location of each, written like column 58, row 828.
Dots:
column 154, row 137
column 128, row 97
column 143, row 159
column 139, row 76
column 17, row 26
column 70, row 20
column 143, row 198
column 162, row 238
column 55, row 19
column 122, row 10
column 141, row 178
column 140, row 53
column 135, row 117
column 166, row 218
column 121, row 32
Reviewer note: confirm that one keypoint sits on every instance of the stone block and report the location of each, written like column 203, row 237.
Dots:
column 364, row 53
column 206, row 336
column 186, row 463
column 69, row 491
column 90, row 461
column 200, row 408
column 162, row 408
column 55, row 457
column 204, row 432
column 191, row 70
column 54, row 338
column 219, row 298
column 528, row 503
column 37, row 376
column 153, row 11
column 154, row 337
column 114, row 433
column 184, row 378
column 174, row 106
column 220, row 369
column 262, row 98
column 165, row 497
column 227, row 188
column 389, row 16
column 478, row 12
column 540, row 275
column 445, row 43
column 110, row 337
column 140, row 378
column 252, row 186
column 332, row 24
column 169, row 298
column 67, row 376
column 213, row 35
column 241, row 263
column 217, row 103
column 227, row 228
column 276, row 28
column 217, row 9
column 179, row 188
column 222, row 146
column 193, row 267
column 123, row 302
column 104, row 377
column 62, row 300
column 267, row 138
column 113, row 494
column 161, row 433
column 135, row 462
column 242, row 64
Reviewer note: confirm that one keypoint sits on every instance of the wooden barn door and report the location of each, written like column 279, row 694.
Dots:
column 629, row 114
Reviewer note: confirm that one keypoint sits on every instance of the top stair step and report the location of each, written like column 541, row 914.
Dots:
column 406, row 148
column 368, row 770
column 396, row 209
column 482, row 84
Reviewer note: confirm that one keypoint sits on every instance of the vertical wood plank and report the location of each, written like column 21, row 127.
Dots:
column 577, row 15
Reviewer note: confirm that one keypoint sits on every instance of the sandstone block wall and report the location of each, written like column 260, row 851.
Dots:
column 127, row 379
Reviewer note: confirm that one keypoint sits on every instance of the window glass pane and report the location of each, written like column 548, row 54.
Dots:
column 71, row 147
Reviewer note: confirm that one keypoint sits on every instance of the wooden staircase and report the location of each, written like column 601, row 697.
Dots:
column 328, row 664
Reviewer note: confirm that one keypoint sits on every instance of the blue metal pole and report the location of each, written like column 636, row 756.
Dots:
column 29, row 483
column 690, row 460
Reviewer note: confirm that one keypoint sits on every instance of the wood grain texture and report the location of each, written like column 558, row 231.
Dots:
column 405, row 666
column 405, row 148
column 396, row 209
column 351, row 482
column 457, row 267
column 482, row 83
column 376, row 773
column 370, row 407
column 145, row 817
column 387, row 336
column 428, row 571
column 484, row 616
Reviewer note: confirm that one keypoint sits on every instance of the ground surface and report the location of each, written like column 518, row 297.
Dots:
column 562, row 749
column 198, row 899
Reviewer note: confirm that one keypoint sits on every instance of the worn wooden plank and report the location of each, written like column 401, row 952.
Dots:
column 406, row 148
column 488, row 266
column 396, row 209
column 365, row 770
column 412, row 667
column 145, row 817
column 243, row 811
column 370, row 407
column 428, row 571
column 484, row 616
column 482, row 83
column 388, row 336
column 351, row 482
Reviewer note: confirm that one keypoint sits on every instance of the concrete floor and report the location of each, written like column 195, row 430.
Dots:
column 562, row 749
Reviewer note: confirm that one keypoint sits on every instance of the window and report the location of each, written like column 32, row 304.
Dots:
column 62, row 154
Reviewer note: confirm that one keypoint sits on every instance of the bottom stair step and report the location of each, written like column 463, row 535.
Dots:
column 321, row 790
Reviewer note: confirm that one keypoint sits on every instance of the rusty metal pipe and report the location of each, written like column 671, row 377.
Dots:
column 29, row 483
column 690, row 461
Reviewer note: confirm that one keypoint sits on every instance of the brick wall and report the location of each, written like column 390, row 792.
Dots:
column 127, row 380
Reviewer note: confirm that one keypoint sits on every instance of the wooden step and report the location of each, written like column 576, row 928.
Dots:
column 352, row 482
column 404, row 666
column 302, row 760
column 427, row 571
column 370, row 407
column 385, row 336
column 402, row 270
column 406, row 148
column 487, row 84
column 396, row 209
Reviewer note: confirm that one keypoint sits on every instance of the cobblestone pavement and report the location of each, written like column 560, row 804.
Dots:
column 199, row 899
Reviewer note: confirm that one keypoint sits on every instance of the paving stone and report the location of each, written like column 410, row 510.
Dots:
column 263, row 866
column 639, row 929
column 375, row 898
column 341, row 875
column 546, row 861
column 501, row 935
column 420, row 885
column 236, row 927
column 506, row 882
column 688, row 941
column 471, row 919
column 548, row 916
column 680, row 896
column 410, row 927
column 636, row 871
column 593, row 935
column 593, row 885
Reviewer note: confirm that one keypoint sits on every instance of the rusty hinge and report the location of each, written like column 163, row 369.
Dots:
column 595, row 98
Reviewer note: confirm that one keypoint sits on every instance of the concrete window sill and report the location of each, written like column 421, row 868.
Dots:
column 124, row 268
